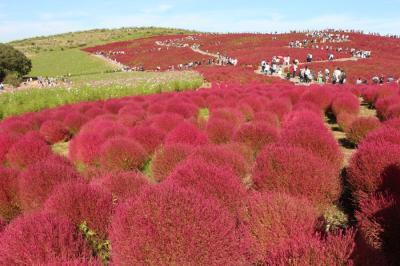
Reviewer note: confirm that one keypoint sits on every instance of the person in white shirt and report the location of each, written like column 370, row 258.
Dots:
column 307, row 75
column 327, row 73
column 267, row 68
column 336, row 76
column 263, row 64
column 359, row 81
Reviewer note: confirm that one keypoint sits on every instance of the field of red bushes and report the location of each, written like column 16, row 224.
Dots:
column 251, row 49
column 231, row 175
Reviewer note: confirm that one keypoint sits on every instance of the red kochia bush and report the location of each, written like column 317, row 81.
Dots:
column 320, row 96
column 187, row 134
column 274, row 218
column 169, row 225
column 219, row 130
column 375, row 167
column 361, row 127
column 346, row 102
column 40, row 238
column 167, row 158
column 308, row 131
column 122, row 154
column 280, row 107
column 38, row 180
column 80, row 202
column 6, row 141
column 150, row 138
column 335, row 249
column 166, row 121
column 85, row 148
column 267, row 117
column 74, row 121
column 379, row 233
column 223, row 157
column 8, row 194
column 122, row 185
column 393, row 123
column 212, row 181
column 53, row 131
column 384, row 134
column 28, row 150
column 298, row 172
column 256, row 135
column 344, row 120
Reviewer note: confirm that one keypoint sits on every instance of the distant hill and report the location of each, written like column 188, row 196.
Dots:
column 59, row 55
column 88, row 38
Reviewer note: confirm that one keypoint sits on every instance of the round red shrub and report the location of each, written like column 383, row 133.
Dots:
column 28, row 150
column 309, row 132
column 187, row 134
column 375, row 167
column 85, row 148
column 6, row 141
column 320, row 96
column 80, row 202
column 298, row 172
column 74, row 121
column 256, row 135
column 212, row 181
column 346, row 102
column 393, row 111
column 383, row 105
column 267, row 117
column 37, row 181
column 122, row 154
column 169, row 225
column 223, row 157
column 360, row 127
column 167, row 158
column 166, row 121
column 219, row 130
column 378, row 233
column 393, row 123
column 122, row 185
column 184, row 109
column 9, row 205
column 335, row 249
column 280, row 107
column 150, row 138
column 232, row 115
column 273, row 218
column 15, row 127
column 384, row 134
column 53, row 131
column 344, row 120
column 40, row 238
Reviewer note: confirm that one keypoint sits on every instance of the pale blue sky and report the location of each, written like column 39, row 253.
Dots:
column 26, row 18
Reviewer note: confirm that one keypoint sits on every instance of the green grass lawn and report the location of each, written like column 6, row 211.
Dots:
column 62, row 63
column 97, row 87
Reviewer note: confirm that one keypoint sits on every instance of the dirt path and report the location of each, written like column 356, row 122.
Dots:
column 347, row 148
column 197, row 50
column 115, row 64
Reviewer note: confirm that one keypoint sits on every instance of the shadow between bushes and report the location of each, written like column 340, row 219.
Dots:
column 346, row 144
column 347, row 199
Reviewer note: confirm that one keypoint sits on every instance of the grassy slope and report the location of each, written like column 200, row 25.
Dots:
column 88, row 38
column 72, row 61
column 59, row 55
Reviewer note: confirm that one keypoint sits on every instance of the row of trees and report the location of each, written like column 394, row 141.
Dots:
column 13, row 64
